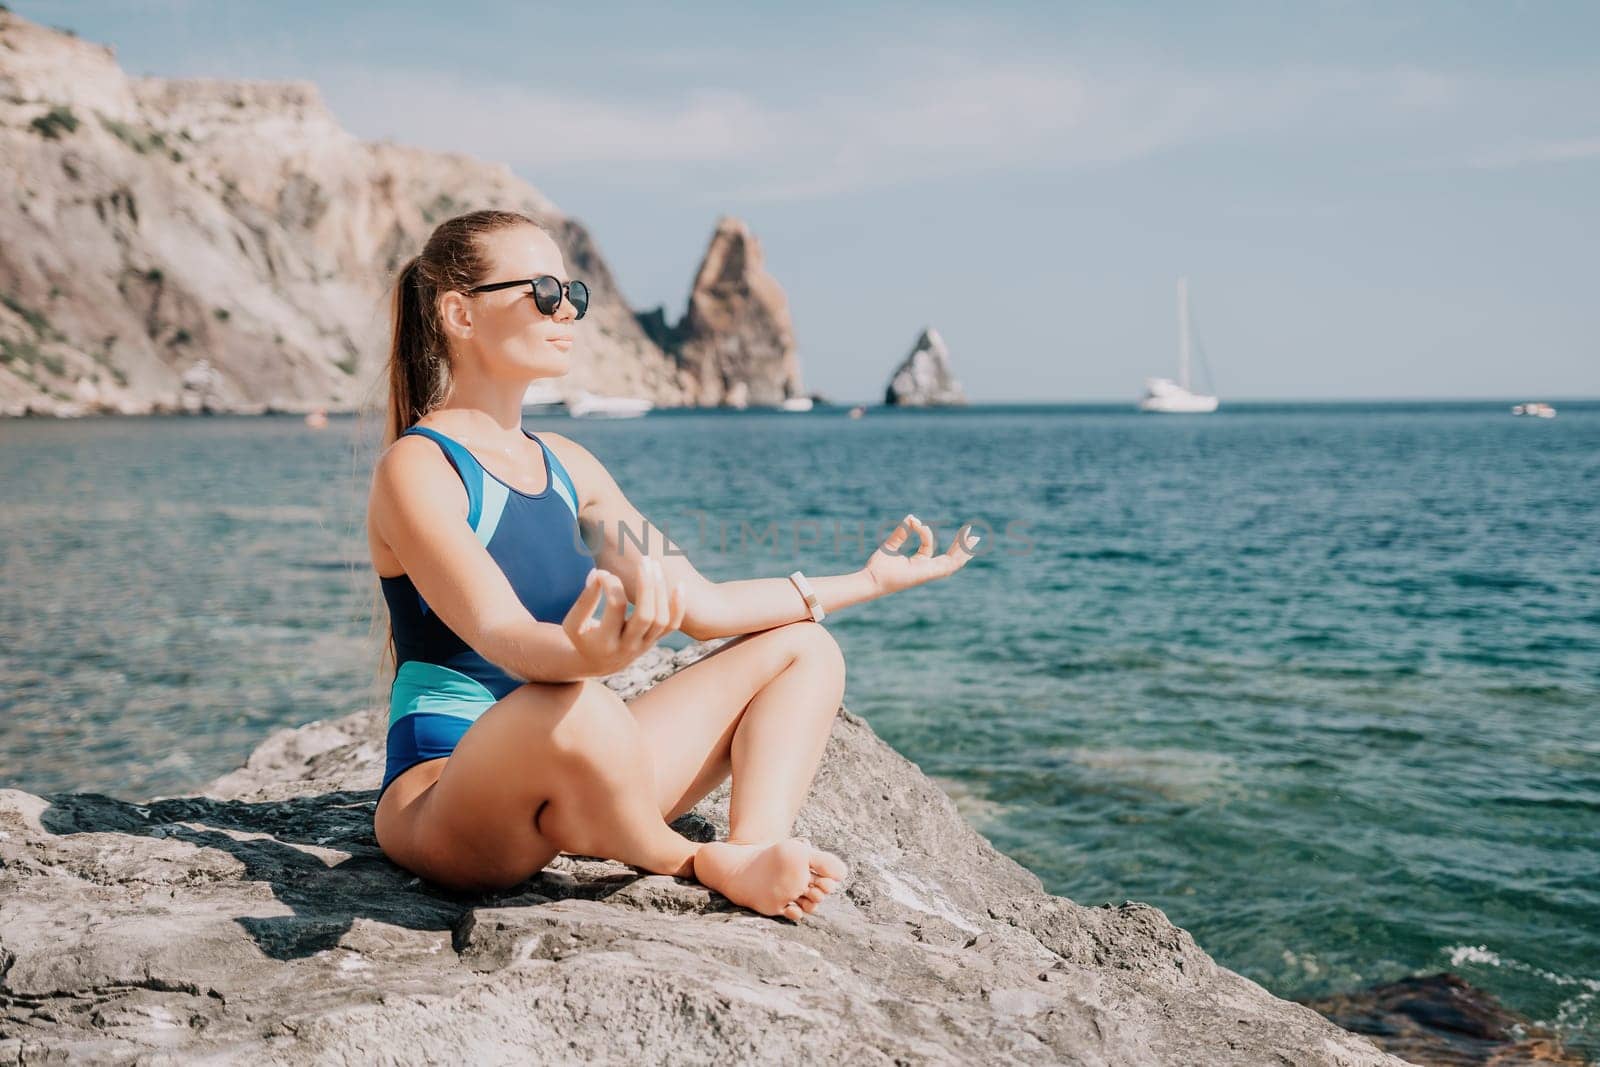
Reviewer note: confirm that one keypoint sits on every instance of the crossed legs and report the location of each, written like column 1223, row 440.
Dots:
column 570, row 768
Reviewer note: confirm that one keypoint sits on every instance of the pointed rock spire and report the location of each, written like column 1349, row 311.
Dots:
column 924, row 378
column 736, row 342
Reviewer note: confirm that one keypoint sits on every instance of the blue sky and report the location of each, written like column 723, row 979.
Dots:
column 1370, row 200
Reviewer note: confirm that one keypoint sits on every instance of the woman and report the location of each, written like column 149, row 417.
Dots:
column 480, row 534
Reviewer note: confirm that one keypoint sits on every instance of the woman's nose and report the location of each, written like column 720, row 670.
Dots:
column 565, row 312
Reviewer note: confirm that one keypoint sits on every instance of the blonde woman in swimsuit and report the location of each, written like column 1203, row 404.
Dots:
column 504, row 747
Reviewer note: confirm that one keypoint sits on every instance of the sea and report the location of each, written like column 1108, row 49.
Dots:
column 1321, row 681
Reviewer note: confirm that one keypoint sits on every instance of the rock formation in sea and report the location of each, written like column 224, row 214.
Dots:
column 924, row 378
column 258, row 921
column 735, row 341
column 1440, row 1019
column 150, row 224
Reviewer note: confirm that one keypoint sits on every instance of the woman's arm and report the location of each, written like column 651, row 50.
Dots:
column 418, row 508
column 721, row 609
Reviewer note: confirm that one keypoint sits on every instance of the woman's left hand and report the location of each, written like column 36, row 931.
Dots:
column 892, row 572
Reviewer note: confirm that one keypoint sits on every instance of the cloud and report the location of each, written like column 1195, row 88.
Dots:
column 920, row 115
column 1537, row 153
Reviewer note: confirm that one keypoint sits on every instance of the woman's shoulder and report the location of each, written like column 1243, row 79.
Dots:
column 589, row 475
column 572, row 455
column 411, row 463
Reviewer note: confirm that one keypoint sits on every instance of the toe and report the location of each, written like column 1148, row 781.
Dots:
column 827, row 864
column 792, row 911
column 807, row 905
column 812, row 894
column 827, row 885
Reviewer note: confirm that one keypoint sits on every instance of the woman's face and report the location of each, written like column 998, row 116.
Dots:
column 506, row 334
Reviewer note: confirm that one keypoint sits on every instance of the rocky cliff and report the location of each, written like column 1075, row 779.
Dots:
column 925, row 378
column 235, row 233
column 735, row 341
column 259, row 921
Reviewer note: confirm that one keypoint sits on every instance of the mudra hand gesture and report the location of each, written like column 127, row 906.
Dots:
column 604, row 645
column 892, row 572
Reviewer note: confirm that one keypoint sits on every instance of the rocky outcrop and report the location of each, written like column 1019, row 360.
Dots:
column 735, row 343
column 924, row 378
column 1439, row 1018
column 258, row 921
column 147, row 224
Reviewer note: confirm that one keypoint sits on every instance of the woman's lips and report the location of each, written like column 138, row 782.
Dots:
column 563, row 343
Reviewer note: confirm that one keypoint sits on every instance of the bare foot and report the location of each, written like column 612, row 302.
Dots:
column 781, row 879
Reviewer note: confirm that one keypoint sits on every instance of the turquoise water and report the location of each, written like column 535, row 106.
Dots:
column 1320, row 681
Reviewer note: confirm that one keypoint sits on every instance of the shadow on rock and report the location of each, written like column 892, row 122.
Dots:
column 317, row 854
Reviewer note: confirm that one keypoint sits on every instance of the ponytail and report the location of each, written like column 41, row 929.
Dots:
column 417, row 373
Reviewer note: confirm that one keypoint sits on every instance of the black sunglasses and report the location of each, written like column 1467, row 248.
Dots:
column 547, row 292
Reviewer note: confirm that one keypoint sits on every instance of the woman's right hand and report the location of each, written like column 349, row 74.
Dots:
column 606, row 644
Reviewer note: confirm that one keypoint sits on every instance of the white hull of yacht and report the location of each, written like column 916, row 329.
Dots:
column 1163, row 396
column 595, row 406
column 542, row 399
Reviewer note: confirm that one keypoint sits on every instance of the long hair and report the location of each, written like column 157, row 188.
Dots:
column 452, row 260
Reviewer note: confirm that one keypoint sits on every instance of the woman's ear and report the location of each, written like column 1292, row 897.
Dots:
column 455, row 315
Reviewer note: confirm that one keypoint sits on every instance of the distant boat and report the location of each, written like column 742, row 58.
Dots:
column 857, row 411
column 796, row 403
column 594, row 406
column 1536, row 408
column 1165, row 396
column 317, row 419
column 542, row 397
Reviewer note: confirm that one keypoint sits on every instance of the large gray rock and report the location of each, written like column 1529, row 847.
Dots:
column 259, row 922
column 925, row 378
column 148, row 224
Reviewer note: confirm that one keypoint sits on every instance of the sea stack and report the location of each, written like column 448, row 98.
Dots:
column 924, row 378
column 735, row 344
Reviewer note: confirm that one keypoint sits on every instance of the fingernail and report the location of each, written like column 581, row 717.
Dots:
column 974, row 541
column 910, row 517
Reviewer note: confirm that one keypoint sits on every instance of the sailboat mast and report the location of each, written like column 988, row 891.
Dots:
column 1183, row 332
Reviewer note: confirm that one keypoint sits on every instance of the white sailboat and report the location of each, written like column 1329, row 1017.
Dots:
column 594, row 405
column 1165, row 396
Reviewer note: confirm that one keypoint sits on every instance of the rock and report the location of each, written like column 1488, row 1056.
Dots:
column 1439, row 1018
column 150, row 223
column 735, row 344
column 258, row 921
column 924, row 378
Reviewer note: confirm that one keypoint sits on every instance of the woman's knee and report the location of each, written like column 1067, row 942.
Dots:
column 594, row 728
column 817, row 645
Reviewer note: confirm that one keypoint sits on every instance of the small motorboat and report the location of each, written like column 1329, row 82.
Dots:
column 543, row 398
column 589, row 405
column 796, row 403
column 1537, row 409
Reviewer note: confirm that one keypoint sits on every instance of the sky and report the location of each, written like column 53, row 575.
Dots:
column 1369, row 200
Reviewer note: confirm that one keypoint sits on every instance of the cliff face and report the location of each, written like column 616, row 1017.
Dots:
column 925, row 378
column 259, row 921
column 232, row 231
column 735, row 342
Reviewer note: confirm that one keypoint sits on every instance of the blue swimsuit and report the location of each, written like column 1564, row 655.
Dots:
column 442, row 685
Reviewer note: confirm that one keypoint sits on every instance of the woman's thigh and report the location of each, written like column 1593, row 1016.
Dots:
column 468, row 821
column 689, row 717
